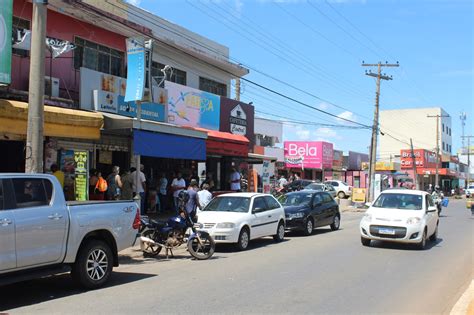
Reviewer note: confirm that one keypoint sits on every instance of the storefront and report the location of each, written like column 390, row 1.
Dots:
column 356, row 174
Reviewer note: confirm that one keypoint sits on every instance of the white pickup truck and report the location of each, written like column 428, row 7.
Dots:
column 41, row 234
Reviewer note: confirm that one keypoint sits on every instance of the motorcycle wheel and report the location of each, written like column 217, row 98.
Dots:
column 204, row 251
column 150, row 250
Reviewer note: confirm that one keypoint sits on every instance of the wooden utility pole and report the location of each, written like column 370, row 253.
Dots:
column 34, row 136
column 375, row 126
column 413, row 160
column 438, row 117
column 468, row 158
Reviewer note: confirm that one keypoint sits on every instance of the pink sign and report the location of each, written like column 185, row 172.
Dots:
column 308, row 154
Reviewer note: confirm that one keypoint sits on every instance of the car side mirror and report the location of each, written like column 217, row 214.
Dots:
column 257, row 210
column 431, row 209
column 368, row 204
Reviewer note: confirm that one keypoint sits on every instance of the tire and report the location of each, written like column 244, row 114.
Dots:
column 434, row 236
column 93, row 265
column 309, row 227
column 336, row 224
column 244, row 239
column 365, row 241
column 422, row 244
column 204, row 251
column 151, row 250
column 280, row 235
column 341, row 195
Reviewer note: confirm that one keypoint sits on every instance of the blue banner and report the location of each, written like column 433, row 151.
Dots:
column 150, row 111
column 135, row 69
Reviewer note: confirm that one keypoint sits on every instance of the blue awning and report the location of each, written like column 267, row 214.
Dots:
column 169, row 146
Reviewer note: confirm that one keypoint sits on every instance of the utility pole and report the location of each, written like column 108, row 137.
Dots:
column 237, row 89
column 375, row 127
column 438, row 117
column 413, row 161
column 468, row 158
column 34, row 136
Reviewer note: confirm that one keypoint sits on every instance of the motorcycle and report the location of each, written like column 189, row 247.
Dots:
column 156, row 235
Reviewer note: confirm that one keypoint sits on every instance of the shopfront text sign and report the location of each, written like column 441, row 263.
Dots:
column 81, row 176
column 135, row 69
column 191, row 107
column 308, row 154
column 6, row 12
column 423, row 158
column 266, row 176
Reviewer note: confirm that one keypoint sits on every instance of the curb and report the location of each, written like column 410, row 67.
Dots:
column 465, row 304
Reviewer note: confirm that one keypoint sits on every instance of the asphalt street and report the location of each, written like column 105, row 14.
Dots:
column 326, row 273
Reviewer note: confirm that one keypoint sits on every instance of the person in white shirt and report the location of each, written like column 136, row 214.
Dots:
column 140, row 188
column 177, row 186
column 235, row 180
column 282, row 181
column 203, row 197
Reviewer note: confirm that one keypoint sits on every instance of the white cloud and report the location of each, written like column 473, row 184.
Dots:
column 302, row 133
column 135, row 2
column 326, row 132
column 346, row 115
column 323, row 105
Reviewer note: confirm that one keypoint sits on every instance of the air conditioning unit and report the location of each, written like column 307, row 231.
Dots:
column 47, row 86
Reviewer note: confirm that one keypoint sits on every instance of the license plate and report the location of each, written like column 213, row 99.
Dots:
column 387, row 231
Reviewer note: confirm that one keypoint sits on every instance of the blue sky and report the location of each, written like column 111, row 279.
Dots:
column 318, row 46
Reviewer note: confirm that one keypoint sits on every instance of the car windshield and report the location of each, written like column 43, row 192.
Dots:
column 399, row 201
column 298, row 199
column 229, row 204
column 315, row 187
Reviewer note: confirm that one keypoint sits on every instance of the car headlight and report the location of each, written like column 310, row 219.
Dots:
column 367, row 217
column 413, row 220
column 296, row 215
column 225, row 225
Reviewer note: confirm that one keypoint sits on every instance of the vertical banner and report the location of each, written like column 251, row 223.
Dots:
column 6, row 12
column 80, row 180
column 266, row 176
column 135, row 69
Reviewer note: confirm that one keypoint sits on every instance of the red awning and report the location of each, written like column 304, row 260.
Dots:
column 225, row 143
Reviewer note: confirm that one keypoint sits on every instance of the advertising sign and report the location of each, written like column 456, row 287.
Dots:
column 192, row 107
column 135, row 69
column 338, row 160
column 423, row 158
column 81, row 176
column 308, row 154
column 266, row 176
column 237, row 118
column 358, row 194
column 6, row 12
column 110, row 97
column 384, row 166
column 356, row 159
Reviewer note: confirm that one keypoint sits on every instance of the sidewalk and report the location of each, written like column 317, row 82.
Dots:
column 465, row 304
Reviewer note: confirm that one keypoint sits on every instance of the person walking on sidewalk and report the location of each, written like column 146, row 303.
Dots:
column 162, row 186
column 140, row 187
column 127, row 185
column 114, row 184
column 177, row 186
column 203, row 197
column 191, row 204
column 234, row 180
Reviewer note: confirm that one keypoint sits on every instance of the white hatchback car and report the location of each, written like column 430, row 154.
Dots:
column 401, row 215
column 241, row 217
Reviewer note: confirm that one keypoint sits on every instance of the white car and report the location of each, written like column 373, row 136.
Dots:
column 470, row 191
column 401, row 215
column 241, row 217
column 343, row 189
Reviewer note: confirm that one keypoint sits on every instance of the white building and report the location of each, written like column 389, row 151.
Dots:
column 414, row 123
column 268, row 134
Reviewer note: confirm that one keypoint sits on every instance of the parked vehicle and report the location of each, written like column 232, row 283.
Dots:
column 41, row 234
column 343, row 189
column 306, row 210
column 470, row 191
column 241, row 217
column 322, row 187
column 401, row 215
column 172, row 234
column 298, row 184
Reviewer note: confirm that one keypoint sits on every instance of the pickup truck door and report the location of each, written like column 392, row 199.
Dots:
column 41, row 225
column 7, row 234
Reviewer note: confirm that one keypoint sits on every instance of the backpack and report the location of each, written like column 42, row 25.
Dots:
column 101, row 185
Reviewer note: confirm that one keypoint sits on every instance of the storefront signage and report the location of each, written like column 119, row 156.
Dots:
column 110, row 97
column 356, row 159
column 266, row 176
column 338, row 160
column 423, row 158
column 384, row 166
column 135, row 69
column 57, row 47
column 308, row 154
column 80, row 180
column 6, row 11
column 238, row 121
column 192, row 107
column 358, row 194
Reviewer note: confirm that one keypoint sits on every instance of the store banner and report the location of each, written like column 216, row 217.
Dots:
column 191, row 107
column 423, row 158
column 57, row 47
column 135, row 69
column 237, row 118
column 81, row 177
column 6, row 12
column 266, row 176
column 308, row 154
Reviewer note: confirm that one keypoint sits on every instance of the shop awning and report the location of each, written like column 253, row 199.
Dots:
column 254, row 158
column 58, row 121
column 225, row 143
column 169, row 146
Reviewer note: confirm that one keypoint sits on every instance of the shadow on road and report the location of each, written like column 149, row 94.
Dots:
column 317, row 231
column 254, row 244
column 54, row 287
column 405, row 247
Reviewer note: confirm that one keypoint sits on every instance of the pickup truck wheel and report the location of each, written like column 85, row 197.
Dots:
column 94, row 264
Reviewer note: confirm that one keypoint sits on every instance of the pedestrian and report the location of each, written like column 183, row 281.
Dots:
column 234, row 180
column 177, row 186
column 191, row 204
column 114, row 184
column 127, row 185
column 282, row 181
column 209, row 180
column 203, row 197
column 140, row 188
column 163, row 184
column 97, row 186
column 58, row 174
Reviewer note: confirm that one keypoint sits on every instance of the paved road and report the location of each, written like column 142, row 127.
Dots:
column 328, row 272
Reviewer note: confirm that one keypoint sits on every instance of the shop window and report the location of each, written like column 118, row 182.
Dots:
column 98, row 57
column 177, row 75
column 22, row 24
column 444, row 146
column 212, row 86
column 443, row 127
